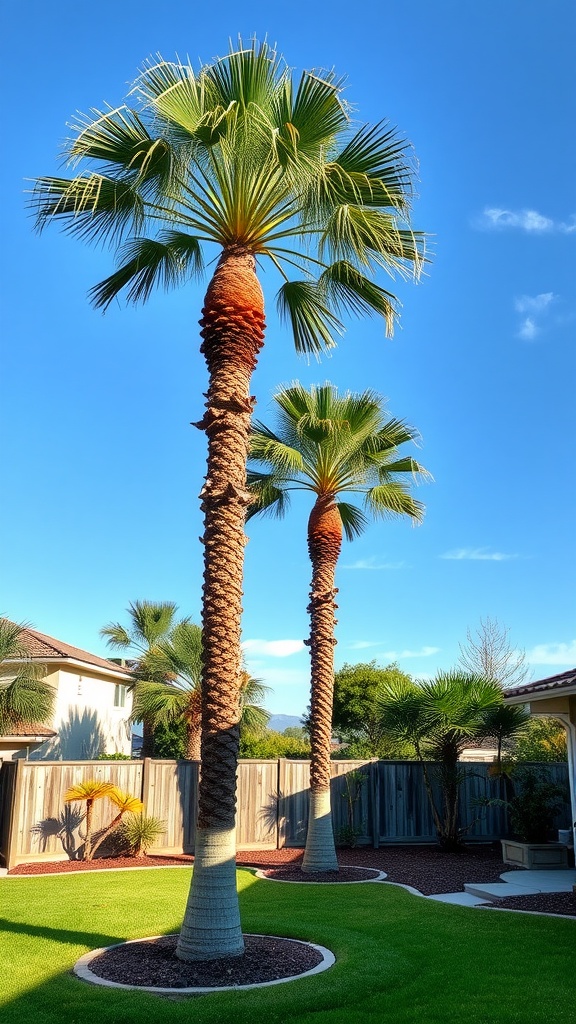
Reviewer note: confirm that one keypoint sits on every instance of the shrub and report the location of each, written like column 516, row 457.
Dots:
column 140, row 832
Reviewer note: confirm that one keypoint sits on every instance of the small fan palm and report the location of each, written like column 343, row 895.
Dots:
column 330, row 445
column 151, row 623
column 126, row 804
column 238, row 162
column 25, row 699
column 440, row 717
column 179, row 698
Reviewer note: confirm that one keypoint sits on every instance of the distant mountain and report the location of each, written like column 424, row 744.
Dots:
column 280, row 722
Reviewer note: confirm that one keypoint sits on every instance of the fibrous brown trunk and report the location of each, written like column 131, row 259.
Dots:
column 233, row 333
column 194, row 728
column 324, row 543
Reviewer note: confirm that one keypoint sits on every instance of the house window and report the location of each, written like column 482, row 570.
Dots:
column 119, row 695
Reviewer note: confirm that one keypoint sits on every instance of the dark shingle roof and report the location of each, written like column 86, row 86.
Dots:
column 560, row 682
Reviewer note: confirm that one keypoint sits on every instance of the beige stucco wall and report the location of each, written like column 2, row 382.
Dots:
column 85, row 718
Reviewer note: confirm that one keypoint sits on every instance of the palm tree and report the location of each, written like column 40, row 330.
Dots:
column 90, row 791
column 25, row 699
column 330, row 445
column 440, row 717
column 151, row 623
column 163, row 703
column 238, row 162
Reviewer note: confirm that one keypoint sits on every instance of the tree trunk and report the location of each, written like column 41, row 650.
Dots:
column 147, row 739
column 233, row 333
column 194, row 736
column 324, row 543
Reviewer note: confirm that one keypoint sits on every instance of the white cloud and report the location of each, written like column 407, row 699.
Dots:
column 528, row 329
column 272, row 648
column 477, row 555
column 553, row 654
column 537, row 307
column 533, row 303
column 424, row 652
column 496, row 218
column 371, row 563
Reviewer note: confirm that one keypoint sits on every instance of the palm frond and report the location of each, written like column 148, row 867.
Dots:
column 267, row 496
column 303, row 306
column 354, row 522
column 93, row 207
column 350, row 290
column 167, row 261
column 393, row 499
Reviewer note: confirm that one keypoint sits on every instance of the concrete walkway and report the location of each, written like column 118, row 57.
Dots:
column 514, row 883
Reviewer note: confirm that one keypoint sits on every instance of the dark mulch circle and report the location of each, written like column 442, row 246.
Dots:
column 344, row 874
column 153, row 963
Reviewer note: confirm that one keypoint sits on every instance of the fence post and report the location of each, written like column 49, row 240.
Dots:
column 281, row 805
column 145, row 788
column 15, row 811
column 375, row 801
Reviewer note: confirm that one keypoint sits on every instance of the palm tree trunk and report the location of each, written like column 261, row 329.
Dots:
column 324, row 543
column 147, row 739
column 233, row 332
column 193, row 740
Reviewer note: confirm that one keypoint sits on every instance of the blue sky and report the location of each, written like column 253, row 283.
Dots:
column 101, row 468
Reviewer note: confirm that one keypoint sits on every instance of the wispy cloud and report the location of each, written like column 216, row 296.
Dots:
column 424, row 652
column 272, row 648
column 496, row 218
column 371, row 563
column 477, row 555
column 537, row 308
column 553, row 654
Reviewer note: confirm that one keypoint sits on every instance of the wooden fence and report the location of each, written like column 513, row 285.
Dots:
column 391, row 805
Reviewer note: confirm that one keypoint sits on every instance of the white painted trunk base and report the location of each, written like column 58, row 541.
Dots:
column 211, row 925
column 320, row 852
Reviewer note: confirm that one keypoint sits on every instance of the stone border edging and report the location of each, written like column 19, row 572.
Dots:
column 259, row 872
column 82, row 970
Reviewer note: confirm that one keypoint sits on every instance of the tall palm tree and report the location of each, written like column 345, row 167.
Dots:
column 331, row 445
column 440, row 717
column 179, row 698
column 238, row 162
column 151, row 623
column 25, row 699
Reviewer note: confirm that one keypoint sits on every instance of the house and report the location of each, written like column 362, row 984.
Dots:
column 91, row 709
column 554, row 697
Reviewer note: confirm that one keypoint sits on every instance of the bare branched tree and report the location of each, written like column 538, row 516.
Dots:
column 488, row 652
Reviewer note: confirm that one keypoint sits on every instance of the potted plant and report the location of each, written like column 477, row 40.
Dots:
column 535, row 802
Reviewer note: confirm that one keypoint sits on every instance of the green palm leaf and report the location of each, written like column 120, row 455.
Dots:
column 303, row 305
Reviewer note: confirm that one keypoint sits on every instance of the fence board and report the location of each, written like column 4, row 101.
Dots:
column 272, row 802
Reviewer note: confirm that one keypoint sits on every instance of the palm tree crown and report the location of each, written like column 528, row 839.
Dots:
column 332, row 444
column 239, row 155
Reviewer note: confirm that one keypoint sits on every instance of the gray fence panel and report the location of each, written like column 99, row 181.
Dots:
column 392, row 807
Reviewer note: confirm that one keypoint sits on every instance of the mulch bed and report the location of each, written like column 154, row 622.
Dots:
column 155, row 965
column 344, row 874
column 49, row 867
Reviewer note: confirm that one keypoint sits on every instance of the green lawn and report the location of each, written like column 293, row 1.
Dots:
column 400, row 959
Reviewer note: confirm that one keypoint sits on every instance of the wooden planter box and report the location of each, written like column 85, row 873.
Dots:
column 534, row 855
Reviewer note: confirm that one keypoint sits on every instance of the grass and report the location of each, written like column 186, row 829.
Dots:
column 400, row 959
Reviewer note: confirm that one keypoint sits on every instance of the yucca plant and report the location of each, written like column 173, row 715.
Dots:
column 140, row 831
column 237, row 161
